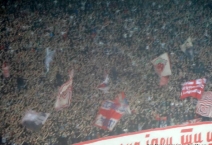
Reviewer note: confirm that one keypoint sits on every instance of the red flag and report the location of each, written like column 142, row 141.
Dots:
column 194, row 88
column 5, row 69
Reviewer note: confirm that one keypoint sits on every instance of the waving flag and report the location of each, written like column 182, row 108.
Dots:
column 104, row 85
column 186, row 44
column 194, row 88
column 5, row 69
column 163, row 68
column 33, row 120
column 49, row 58
column 108, row 116
column 65, row 93
column 122, row 100
column 204, row 105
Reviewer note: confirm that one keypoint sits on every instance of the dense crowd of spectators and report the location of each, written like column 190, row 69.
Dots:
column 91, row 37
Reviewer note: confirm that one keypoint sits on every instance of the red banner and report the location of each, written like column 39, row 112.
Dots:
column 194, row 88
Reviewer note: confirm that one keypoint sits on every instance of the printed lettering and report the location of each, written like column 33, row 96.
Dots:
column 154, row 141
column 136, row 143
column 186, row 141
column 162, row 141
column 197, row 139
column 209, row 137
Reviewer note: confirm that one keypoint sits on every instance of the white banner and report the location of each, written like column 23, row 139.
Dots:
column 195, row 134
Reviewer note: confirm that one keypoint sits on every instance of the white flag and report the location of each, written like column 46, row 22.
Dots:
column 104, row 85
column 186, row 44
column 33, row 120
column 65, row 93
column 162, row 65
column 49, row 58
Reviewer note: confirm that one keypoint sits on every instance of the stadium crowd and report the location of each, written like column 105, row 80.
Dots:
column 92, row 37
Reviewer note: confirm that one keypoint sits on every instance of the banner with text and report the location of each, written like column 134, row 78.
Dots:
column 198, row 133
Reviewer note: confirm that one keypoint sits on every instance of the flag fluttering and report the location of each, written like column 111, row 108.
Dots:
column 186, row 44
column 65, row 93
column 194, row 88
column 163, row 68
column 122, row 101
column 49, row 58
column 104, row 85
column 108, row 116
column 204, row 105
column 34, row 120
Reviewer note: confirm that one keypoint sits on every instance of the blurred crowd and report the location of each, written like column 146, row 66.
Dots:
column 92, row 37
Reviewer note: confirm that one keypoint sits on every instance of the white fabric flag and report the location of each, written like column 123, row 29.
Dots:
column 162, row 65
column 34, row 120
column 49, row 58
column 104, row 85
column 186, row 44
column 65, row 93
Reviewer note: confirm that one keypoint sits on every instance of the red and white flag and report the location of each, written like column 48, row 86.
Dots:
column 192, row 121
column 104, row 85
column 162, row 65
column 65, row 93
column 194, row 88
column 5, row 69
column 163, row 68
column 108, row 116
column 122, row 100
column 204, row 105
